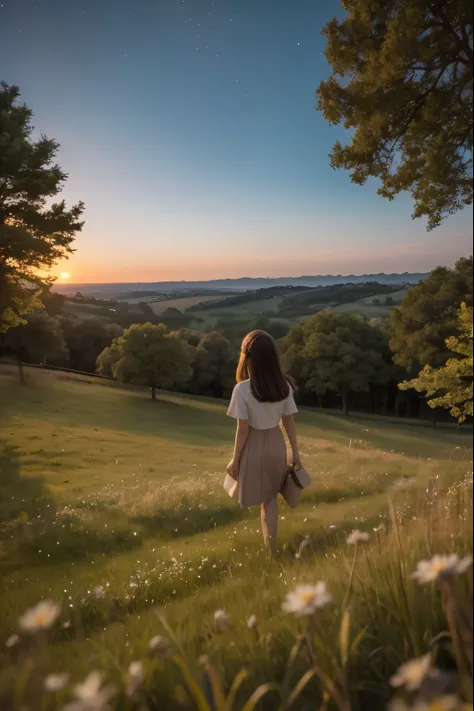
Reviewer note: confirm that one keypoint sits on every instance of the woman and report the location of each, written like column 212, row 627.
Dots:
column 262, row 398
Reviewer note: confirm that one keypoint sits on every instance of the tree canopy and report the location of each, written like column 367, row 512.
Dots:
column 428, row 316
column 37, row 340
column 34, row 232
column 402, row 84
column 86, row 339
column 337, row 351
column 146, row 354
column 451, row 386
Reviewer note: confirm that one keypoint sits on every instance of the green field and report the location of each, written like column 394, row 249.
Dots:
column 270, row 308
column 100, row 486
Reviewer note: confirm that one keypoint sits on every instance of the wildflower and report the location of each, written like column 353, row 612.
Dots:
column 357, row 537
column 40, row 617
column 12, row 641
column 441, row 566
column 91, row 695
column 252, row 622
column 304, row 544
column 412, row 674
column 55, row 682
column 99, row 591
column 222, row 620
column 136, row 678
column 306, row 599
column 159, row 646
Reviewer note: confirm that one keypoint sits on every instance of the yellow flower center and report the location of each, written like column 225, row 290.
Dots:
column 42, row 618
column 307, row 597
column 438, row 567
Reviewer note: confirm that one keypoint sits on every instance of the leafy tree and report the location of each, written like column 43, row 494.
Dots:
column 52, row 302
column 214, row 366
column 149, row 355
column 428, row 316
column 337, row 351
column 107, row 360
column 34, row 234
column 86, row 338
column 38, row 340
column 402, row 85
column 451, row 386
column 190, row 336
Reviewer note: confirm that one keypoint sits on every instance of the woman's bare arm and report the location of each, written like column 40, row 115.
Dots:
column 241, row 437
column 290, row 429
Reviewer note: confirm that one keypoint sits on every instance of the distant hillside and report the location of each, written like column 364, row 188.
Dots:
column 109, row 291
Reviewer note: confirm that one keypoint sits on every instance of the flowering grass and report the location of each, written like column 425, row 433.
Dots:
column 112, row 507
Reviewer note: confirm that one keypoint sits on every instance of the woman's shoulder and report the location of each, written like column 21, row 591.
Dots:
column 243, row 387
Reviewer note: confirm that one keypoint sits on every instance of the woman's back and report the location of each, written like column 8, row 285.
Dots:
column 260, row 415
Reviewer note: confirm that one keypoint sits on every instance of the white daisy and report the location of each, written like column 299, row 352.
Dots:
column 99, row 591
column 357, row 537
column 136, row 678
column 91, row 695
column 412, row 674
column 159, row 645
column 221, row 619
column 252, row 622
column 306, row 599
column 55, row 682
column 12, row 641
column 40, row 617
column 441, row 566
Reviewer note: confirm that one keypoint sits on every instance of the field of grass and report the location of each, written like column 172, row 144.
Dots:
column 183, row 303
column 113, row 506
column 366, row 307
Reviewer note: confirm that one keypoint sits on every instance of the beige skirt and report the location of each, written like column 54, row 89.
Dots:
column 263, row 467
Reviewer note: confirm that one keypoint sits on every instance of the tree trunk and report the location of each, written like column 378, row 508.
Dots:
column 153, row 392
column 320, row 399
column 21, row 371
column 345, row 403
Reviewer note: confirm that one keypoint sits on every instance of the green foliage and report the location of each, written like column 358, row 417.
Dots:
column 428, row 316
column 402, row 85
column 38, row 340
column 451, row 386
column 16, row 301
column 34, row 233
column 149, row 355
column 337, row 351
column 86, row 339
column 214, row 366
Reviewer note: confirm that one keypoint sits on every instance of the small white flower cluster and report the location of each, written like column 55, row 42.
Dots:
column 357, row 537
column 90, row 695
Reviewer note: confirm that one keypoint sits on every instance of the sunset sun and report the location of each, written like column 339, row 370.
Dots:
column 64, row 275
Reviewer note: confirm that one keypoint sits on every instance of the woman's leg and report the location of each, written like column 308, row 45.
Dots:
column 270, row 524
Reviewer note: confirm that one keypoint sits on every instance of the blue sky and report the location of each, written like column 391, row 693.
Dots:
column 189, row 129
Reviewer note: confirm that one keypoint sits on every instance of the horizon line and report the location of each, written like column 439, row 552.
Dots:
column 244, row 278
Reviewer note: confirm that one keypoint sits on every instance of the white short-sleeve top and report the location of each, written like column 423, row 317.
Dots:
column 260, row 415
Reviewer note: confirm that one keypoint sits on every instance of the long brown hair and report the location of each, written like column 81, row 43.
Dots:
column 259, row 361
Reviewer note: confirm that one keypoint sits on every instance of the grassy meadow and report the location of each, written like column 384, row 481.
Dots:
column 112, row 506
column 184, row 302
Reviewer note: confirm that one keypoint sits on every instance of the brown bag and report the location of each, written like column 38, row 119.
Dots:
column 296, row 480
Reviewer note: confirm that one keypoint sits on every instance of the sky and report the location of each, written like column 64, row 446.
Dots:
column 189, row 129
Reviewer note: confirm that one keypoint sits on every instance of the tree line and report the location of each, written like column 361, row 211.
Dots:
column 425, row 346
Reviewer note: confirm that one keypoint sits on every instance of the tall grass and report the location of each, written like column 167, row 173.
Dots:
column 341, row 657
